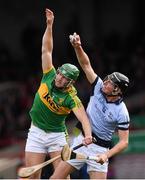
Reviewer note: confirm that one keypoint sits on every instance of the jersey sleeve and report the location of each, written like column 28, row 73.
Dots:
column 73, row 100
column 75, row 103
column 123, row 120
column 96, row 85
column 50, row 74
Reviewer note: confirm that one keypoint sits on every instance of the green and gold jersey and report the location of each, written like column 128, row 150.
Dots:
column 51, row 105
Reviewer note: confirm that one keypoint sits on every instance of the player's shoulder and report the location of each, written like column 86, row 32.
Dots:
column 49, row 75
column 50, row 70
column 72, row 91
column 122, row 108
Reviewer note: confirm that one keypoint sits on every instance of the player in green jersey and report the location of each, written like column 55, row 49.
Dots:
column 54, row 100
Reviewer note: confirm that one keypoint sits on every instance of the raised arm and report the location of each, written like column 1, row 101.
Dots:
column 47, row 42
column 83, row 58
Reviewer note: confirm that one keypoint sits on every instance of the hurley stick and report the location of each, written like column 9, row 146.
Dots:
column 68, row 154
column 83, row 157
column 28, row 171
column 65, row 155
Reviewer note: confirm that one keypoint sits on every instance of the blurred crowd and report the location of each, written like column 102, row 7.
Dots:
column 20, row 76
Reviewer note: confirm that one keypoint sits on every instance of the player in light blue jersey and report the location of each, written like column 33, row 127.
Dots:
column 107, row 113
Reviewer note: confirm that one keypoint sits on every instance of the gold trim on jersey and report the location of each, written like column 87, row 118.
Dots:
column 77, row 101
column 49, row 69
column 46, row 98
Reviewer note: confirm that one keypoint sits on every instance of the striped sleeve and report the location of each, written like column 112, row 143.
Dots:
column 123, row 123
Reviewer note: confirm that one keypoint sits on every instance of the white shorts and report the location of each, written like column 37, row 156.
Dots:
column 40, row 141
column 90, row 150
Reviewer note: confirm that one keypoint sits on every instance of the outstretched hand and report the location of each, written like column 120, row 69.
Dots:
column 75, row 40
column 49, row 16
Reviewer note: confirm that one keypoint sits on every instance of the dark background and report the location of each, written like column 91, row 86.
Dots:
column 112, row 33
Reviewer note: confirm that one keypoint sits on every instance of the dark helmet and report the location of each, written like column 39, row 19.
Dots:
column 120, row 80
column 69, row 71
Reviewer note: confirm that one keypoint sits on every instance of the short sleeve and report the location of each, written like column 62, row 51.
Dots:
column 75, row 103
column 50, row 74
column 123, row 121
column 96, row 85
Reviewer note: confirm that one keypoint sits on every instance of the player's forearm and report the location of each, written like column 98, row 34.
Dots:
column 86, row 127
column 82, row 56
column 47, row 42
column 120, row 146
column 87, row 130
column 81, row 115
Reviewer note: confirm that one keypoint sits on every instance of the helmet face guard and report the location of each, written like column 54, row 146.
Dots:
column 69, row 71
column 120, row 81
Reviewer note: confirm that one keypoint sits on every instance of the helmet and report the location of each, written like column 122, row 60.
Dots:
column 69, row 71
column 119, row 79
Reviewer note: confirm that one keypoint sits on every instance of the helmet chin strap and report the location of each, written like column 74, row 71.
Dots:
column 68, row 84
column 116, row 97
column 113, row 94
column 65, row 86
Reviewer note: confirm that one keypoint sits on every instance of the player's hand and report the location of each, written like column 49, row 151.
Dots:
column 87, row 140
column 49, row 16
column 75, row 40
column 102, row 158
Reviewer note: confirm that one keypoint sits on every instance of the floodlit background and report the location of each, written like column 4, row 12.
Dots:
column 113, row 35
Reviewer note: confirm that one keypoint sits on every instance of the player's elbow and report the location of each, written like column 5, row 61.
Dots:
column 44, row 50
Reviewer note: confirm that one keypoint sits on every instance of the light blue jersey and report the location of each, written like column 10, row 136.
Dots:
column 105, row 116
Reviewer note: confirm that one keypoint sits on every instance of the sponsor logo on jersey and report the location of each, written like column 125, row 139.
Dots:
column 49, row 102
